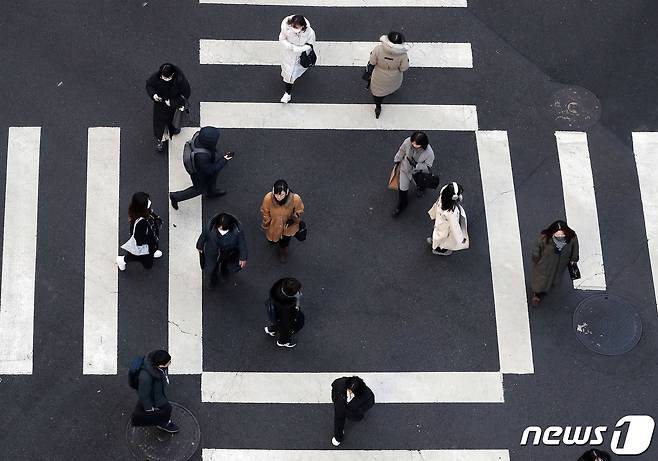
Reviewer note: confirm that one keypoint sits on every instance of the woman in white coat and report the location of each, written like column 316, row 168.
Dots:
column 296, row 37
column 450, row 230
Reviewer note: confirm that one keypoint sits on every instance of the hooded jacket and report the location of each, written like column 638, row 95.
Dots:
column 212, row 243
column 390, row 61
column 153, row 383
column 176, row 90
column 292, row 45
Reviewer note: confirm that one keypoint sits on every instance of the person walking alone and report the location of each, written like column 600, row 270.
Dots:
column 450, row 226
column 285, row 314
column 222, row 247
column 352, row 399
column 281, row 210
column 388, row 61
column 143, row 245
column 169, row 90
column 555, row 249
column 415, row 155
column 204, row 145
column 153, row 407
column 296, row 37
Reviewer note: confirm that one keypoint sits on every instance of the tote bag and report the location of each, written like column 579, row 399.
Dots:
column 394, row 179
column 131, row 245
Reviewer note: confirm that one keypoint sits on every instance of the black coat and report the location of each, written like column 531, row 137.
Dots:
column 177, row 90
column 146, row 232
column 153, row 382
column 232, row 246
column 285, row 308
column 354, row 410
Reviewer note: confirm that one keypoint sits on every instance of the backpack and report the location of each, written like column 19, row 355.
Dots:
column 135, row 367
column 189, row 152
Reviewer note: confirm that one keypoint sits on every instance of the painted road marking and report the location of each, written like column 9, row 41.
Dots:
column 645, row 146
column 347, row 3
column 267, row 53
column 185, row 315
column 580, row 206
column 354, row 455
column 101, row 299
column 19, row 248
column 511, row 305
column 338, row 116
column 439, row 387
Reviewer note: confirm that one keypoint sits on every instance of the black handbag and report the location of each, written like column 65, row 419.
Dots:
column 302, row 232
column 181, row 117
column 574, row 272
column 308, row 58
column 426, row 180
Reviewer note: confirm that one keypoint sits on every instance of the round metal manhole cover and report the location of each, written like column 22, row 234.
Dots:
column 575, row 108
column 607, row 324
column 152, row 444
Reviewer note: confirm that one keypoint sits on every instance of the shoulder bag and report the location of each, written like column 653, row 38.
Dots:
column 131, row 245
column 308, row 58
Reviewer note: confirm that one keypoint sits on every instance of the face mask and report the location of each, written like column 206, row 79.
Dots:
column 223, row 232
column 148, row 205
column 166, row 79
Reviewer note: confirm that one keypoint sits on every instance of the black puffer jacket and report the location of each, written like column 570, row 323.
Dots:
column 177, row 90
column 153, row 383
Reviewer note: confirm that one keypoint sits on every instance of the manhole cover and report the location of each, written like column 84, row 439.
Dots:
column 150, row 443
column 607, row 324
column 575, row 108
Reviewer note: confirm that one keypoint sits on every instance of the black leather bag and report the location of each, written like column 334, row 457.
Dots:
column 302, row 232
column 308, row 58
column 426, row 180
column 574, row 271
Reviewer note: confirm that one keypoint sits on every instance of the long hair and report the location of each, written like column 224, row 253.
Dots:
column 139, row 206
column 451, row 197
column 356, row 385
column 279, row 186
column 298, row 20
column 419, row 137
column 167, row 70
column 556, row 226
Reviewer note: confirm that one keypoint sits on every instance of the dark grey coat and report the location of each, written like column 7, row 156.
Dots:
column 548, row 266
column 153, row 383
column 233, row 245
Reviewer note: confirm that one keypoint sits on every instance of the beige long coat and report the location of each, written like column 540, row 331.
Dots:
column 276, row 217
column 450, row 227
column 390, row 61
column 548, row 266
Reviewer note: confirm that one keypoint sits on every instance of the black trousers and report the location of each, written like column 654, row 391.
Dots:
column 146, row 260
column 288, row 87
column 159, row 417
column 403, row 199
column 162, row 117
column 340, row 414
column 198, row 187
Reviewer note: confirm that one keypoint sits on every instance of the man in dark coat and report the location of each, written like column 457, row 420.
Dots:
column 153, row 407
column 169, row 90
column 287, row 318
column 207, row 167
column 222, row 247
column 352, row 398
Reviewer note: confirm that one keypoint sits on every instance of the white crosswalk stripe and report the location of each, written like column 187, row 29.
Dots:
column 267, row 53
column 347, row 3
column 354, row 455
column 19, row 248
column 101, row 275
column 580, row 206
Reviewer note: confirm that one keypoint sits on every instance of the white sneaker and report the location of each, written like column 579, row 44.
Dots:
column 121, row 262
column 157, row 254
column 286, row 98
column 334, row 442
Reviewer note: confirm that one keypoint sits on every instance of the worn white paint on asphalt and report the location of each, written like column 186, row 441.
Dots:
column 99, row 349
column 185, row 224
column 580, row 206
column 645, row 146
column 511, row 304
column 19, row 249
column 393, row 387
column 354, row 455
column 267, row 53
column 296, row 116
column 347, row 3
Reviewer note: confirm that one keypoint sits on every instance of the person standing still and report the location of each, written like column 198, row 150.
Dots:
column 281, row 210
column 450, row 225
column 169, row 90
column 352, row 399
column 222, row 247
column 555, row 249
column 388, row 61
column 284, row 296
column 143, row 245
column 415, row 155
column 153, row 407
column 296, row 37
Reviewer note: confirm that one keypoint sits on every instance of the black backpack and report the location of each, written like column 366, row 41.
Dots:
column 189, row 152
column 135, row 367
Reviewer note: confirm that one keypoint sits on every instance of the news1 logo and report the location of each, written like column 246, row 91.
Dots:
column 632, row 435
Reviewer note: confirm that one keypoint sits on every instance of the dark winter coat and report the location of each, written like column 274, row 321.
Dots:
column 232, row 246
column 285, row 308
column 354, row 410
column 177, row 90
column 207, row 164
column 153, row 383
column 549, row 266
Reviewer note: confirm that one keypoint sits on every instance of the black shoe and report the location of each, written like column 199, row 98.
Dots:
column 159, row 146
column 378, row 110
column 170, row 427
column 397, row 212
column 217, row 193
column 174, row 203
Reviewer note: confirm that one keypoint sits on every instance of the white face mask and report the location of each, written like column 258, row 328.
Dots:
column 223, row 232
column 166, row 79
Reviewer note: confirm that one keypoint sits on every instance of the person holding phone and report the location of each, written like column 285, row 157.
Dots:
column 222, row 247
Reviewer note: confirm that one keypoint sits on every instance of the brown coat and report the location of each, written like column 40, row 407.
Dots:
column 390, row 61
column 548, row 266
column 276, row 217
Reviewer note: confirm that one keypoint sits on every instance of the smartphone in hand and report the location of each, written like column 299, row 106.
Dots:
column 229, row 155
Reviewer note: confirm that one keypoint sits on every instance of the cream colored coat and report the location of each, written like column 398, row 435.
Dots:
column 276, row 217
column 390, row 61
column 293, row 44
column 450, row 227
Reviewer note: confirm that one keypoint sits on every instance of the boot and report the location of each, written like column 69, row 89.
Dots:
column 283, row 255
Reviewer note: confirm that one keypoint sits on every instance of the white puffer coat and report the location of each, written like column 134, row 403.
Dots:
column 293, row 44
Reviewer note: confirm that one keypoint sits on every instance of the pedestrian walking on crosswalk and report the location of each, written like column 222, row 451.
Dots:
column 352, row 399
column 555, row 249
column 388, row 61
column 415, row 155
column 281, row 210
column 222, row 247
column 450, row 226
column 296, row 37
column 152, row 381
column 284, row 311
column 169, row 90
column 143, row 244
column 203, row 164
